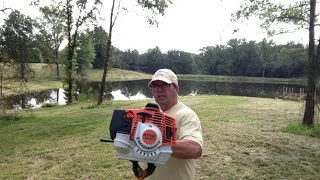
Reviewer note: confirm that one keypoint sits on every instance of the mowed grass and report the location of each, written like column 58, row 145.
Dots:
column 48, row 72
column 242, row 140
column 45, row 77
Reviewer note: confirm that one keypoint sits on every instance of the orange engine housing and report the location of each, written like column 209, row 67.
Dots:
column 153, row 115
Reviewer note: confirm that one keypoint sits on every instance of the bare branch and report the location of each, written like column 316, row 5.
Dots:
column 111, row 16
column 79, row 20
column 287, row 31
column 114, row 21
column 4, row 9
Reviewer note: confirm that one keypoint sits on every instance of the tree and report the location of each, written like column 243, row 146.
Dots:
column 266, row 55
column 99, row 38
column 6, row 66
column 302, row 15
column 18, row 42
column 152, row 59
column 104, row 75
column 83, row 15
column 52, row 29
column 127, row 60
column 77, row 14
column 181, row 62
column 292, row 60
column 156, row 7
column 85, row 53
column 243, row 57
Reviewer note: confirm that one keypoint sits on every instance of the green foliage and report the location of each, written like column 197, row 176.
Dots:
column 152, row 60
column 128, row 59
column 274, row 15
column 215, row 60
column 70, row 78
column 52, row 33
column 77, row 13
column 302, row 15
column 180, row 61
column 35, row 55
column 44, row 47
column 238, row 58
column 261, row 59
column 99, row 38
column 18, row 36
column 156, row 7
column 85, row 52
column 17, row 51
column 243, row 55
column 301, row 129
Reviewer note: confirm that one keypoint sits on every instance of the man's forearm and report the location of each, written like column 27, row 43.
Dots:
column 186, row 149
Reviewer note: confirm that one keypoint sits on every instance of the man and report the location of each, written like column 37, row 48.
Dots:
column 188, row 147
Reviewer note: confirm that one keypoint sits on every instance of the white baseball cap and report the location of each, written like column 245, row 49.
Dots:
column 165, row 75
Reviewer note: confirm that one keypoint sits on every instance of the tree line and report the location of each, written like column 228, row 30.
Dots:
column 238, row 58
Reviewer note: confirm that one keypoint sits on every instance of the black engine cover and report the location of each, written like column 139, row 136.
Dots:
column 119, row 123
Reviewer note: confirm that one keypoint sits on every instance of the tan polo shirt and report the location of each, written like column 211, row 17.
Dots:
column 188, row 127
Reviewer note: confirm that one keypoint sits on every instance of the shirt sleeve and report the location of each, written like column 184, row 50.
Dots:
column 190, row 128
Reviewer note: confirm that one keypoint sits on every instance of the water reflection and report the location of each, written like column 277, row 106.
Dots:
column 135, row 90
column 119, row 96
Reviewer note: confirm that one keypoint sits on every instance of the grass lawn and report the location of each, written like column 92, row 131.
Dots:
column 46, row 78
column 243, row 139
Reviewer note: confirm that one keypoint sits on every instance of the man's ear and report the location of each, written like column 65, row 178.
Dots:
column 177, row 89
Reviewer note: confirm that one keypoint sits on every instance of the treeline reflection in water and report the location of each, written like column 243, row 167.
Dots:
column 135, row 90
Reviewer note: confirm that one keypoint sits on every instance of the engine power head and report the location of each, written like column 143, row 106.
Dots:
column 144, row 135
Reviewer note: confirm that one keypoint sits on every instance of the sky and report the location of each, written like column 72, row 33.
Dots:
column 187, row 25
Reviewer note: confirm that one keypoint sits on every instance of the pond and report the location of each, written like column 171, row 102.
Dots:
column 135, row 90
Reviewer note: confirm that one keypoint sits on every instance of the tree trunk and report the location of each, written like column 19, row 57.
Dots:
column 58, row 73
column 57, row 62
column 1, row 81
column 69, row 64
column 108, row 51
column 22, row 70
column 58, row 92
column 311, row 86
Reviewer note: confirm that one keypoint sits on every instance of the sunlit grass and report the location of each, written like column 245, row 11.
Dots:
column 45, row 77
column 49, row 72
column 299, row 128
column 219, row 78
column 114, row 75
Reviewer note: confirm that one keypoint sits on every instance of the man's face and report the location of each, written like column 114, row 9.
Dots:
column 164, row 94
